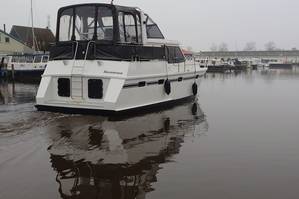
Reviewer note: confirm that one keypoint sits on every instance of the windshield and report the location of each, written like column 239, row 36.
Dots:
column 86, row 23
column 152, row 29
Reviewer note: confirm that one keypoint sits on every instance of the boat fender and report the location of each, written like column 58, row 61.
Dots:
column 167, row 87
column 194, row 109
column 194, row 89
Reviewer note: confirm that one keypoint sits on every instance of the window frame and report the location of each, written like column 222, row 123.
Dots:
column 154, row 24
column 74, row 15
column 136, row 17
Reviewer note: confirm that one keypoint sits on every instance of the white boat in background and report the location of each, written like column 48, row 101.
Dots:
column 110, row 58
column 27, row 65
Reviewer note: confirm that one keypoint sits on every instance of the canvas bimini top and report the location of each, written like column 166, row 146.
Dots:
column 111, row 32
column 104, row 22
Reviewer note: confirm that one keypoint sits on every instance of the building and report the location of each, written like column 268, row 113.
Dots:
column 43, row 37
column 11, row 45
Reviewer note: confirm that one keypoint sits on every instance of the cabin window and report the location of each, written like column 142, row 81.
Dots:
column 45, row 59
column 95, row 88
column 152, row 29
column 38, row 59
column 64, row 87
column 105, row 24
column 87, row 19
column 66, row 25
column 29, row 59
column 7, row 39
column 129, row 28
column 22, row 59
column 84, row 22
column 175, row 54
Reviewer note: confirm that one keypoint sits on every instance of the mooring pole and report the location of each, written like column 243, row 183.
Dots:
column 13, row 72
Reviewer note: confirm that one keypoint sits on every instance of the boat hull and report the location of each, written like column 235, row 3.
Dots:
column 141, row 110
column 280, row 66
column 129, row 86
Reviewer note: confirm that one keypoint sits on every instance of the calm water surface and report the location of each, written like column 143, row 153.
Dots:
column 239, row 140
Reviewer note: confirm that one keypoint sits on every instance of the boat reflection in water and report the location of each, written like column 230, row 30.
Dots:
column 118, row 159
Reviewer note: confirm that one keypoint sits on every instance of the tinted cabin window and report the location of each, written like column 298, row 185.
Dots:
column 45, row 59
column 175, row 54
column 129, row 28
column 105, row 24
column 64, row 87
column 95, row 88
column 37, row 59
column 84, row 22
column 152, row 30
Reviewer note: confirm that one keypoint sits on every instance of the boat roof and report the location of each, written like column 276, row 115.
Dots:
column 116, row 7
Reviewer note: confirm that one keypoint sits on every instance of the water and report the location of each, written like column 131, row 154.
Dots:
column 242, row 142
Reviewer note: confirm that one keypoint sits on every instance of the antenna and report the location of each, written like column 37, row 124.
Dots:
column 49, row 22
column 33, row 36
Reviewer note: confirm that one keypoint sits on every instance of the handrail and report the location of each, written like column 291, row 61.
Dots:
column 86, row 52
column 87, row 49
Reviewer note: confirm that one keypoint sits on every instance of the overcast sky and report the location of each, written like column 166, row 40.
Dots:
column 195, row 23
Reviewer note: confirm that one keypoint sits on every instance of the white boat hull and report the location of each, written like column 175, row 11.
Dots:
column 126, row 85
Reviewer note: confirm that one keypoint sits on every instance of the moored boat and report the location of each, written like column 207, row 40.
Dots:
column 32, row 65
column 110, row 58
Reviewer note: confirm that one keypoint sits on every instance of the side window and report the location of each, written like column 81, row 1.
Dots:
column 129, row 28
column 152, row 29
column 45, row 59
column 64, row 87
column 95, row 88
column 175, row 54
column 29, row 59
column 37, row 59
column 105, row 24
column 121, row 24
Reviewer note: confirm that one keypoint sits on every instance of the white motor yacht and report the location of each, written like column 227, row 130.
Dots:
column 110, row 58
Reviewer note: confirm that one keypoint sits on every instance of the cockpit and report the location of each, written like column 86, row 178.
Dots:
column 104, row 22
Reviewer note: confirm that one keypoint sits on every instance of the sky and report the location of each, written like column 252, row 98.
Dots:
column 198, row 24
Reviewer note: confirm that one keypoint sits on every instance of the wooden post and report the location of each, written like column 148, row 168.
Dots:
column 13, row 72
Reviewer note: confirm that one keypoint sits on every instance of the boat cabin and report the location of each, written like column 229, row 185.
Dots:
column 110, row 32
column 31, row 59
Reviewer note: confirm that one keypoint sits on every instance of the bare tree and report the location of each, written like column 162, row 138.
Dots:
column 270, row 46
column 250, row 46
column 223, row 47
column 213, row 47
